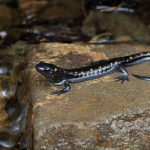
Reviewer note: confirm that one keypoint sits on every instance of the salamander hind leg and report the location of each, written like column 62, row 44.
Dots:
column 124, row 75
column 64, row 90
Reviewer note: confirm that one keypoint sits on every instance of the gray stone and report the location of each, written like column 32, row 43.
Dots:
column 95, row 114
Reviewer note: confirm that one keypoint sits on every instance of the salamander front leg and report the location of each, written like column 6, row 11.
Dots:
column 64, row 90
column 124, row 75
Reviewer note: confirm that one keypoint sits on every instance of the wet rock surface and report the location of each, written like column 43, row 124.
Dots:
column 11, row 17
column 61, row 8
column 117, row 23
column 30, row 7
column 59, row 29
column 96, row 114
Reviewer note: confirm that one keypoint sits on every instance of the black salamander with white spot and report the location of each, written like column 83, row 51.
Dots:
column 98, row 69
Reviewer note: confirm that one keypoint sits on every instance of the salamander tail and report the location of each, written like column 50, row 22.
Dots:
column 146, row 78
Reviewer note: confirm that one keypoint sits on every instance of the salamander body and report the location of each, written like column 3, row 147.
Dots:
column 98, row 69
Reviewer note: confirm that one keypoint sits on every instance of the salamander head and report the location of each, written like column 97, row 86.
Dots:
column 48, row 70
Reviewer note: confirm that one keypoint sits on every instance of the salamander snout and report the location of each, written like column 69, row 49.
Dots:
column 42, row 66
column 39, row 67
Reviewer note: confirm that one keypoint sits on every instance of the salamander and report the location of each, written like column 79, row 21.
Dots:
column 98, row 69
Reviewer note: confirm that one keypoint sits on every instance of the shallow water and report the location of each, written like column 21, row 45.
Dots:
column 13, row 115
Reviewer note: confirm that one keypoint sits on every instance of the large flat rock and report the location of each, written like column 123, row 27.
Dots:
column 99, row 114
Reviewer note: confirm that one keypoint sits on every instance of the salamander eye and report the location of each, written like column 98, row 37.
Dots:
column 41, row 62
